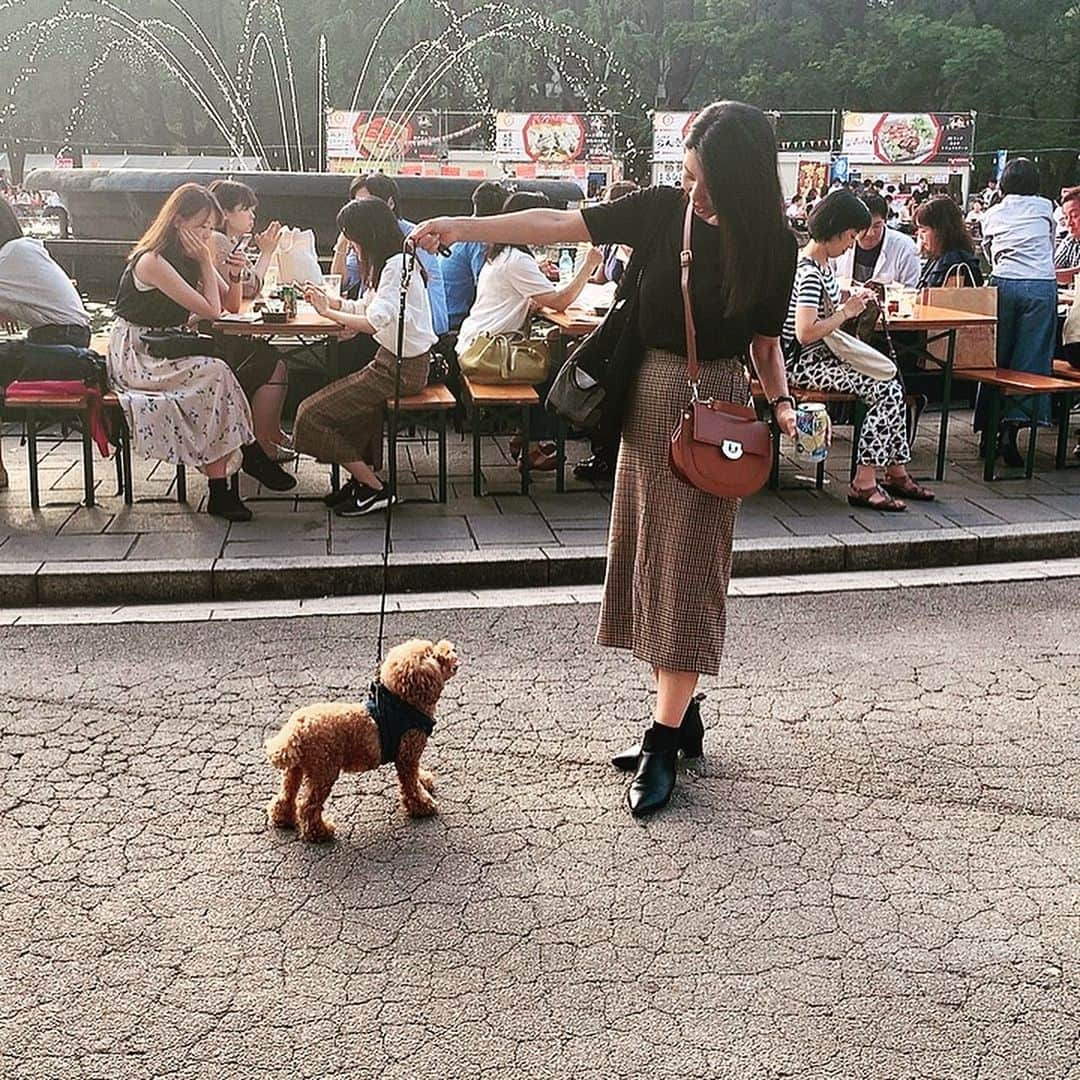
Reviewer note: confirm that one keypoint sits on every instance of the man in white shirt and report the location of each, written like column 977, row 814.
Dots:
column 880, row 254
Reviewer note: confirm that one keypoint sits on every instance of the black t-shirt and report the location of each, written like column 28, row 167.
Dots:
column 865, row 261
column 151, row 307
column 633, row 220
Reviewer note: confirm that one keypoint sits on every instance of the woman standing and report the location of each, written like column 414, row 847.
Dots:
column 1018, row 235
column 669, row 554
column 191, row 409
column 817, row 309
column 259, row 369
column 343, row 422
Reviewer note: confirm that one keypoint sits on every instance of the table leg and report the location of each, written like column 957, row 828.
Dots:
column 474, row 412
column 946, row 406
column 1029, row 469
column 88, row 461
column 1063, row 431
column 560, row 455
column 993, row 419
column 32, row 459
column 443, row 464
column 525, row 450
column 181, row 483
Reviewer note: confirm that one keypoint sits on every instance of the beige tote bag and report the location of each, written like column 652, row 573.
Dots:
column 976, row 346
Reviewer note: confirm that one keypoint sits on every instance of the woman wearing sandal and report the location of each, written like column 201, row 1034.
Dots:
column 817, row 309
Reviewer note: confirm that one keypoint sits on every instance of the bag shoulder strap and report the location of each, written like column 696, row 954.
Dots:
column 686, row 258
column 954, row 271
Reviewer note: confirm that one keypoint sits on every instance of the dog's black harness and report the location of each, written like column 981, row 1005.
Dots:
column 394, row 717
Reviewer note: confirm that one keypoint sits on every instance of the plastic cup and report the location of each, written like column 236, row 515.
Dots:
column 332, row 284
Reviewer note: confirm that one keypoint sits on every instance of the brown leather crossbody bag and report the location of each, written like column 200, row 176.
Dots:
column 717, row 446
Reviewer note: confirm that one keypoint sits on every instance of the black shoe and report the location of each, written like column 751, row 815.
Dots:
column 365, row 501
column 596, row 469
column 691, row 736
column 345, row 492
column 269, row 473
column 224, row 504
column 654, row 781
column 1010, row 453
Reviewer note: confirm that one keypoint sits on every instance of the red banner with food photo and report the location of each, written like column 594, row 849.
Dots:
column 891, row 138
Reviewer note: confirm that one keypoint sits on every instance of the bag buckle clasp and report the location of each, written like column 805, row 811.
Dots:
column 731, row 449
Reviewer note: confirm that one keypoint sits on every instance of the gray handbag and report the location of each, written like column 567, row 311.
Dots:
column 576, row 397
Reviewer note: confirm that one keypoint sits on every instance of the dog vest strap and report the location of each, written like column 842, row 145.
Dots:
column 394, row 717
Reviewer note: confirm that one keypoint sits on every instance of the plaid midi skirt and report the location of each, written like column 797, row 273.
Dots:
column 344, row 421
column 669, row 547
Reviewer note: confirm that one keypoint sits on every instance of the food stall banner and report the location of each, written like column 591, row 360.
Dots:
column 813, row 176
column 553, row 138
column 669, row 133
column 363, row 136
column 909, row 138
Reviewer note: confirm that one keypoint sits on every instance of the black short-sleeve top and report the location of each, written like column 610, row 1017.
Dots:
column 141, row 306
column 656, row 214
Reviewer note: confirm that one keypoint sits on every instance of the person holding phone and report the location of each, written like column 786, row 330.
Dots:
column 257, row 365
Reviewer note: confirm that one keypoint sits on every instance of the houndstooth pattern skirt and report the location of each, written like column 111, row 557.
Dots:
column 669, row 549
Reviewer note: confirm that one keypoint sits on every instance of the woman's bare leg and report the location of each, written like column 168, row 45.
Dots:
column 363, row 473
column 266, row 405
column 674, row 689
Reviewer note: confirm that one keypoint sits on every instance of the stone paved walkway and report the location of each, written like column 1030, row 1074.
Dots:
column 296, row 525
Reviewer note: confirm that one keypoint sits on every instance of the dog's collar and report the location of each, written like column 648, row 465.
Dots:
column 394, row 716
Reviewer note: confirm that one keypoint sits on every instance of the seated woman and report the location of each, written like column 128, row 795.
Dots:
column 343, row 422
column 36, row 293
column 816, row 310
column 189, row 410
column 946, row 244
column 257, row 366
column 510, row 287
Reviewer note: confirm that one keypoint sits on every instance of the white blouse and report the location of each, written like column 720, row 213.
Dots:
column 380, row 306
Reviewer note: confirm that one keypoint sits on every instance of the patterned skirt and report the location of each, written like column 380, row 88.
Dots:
column 189, row 411
column 669, row 549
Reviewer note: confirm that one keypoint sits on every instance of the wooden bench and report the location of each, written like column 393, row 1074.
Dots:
column 492, row 397
column 435, row 401
column 1002, row 383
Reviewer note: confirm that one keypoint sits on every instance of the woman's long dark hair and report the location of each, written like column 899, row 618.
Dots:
column 943, row 216
column 373, row 227
column 10, row 229
column 737, row 148
column 520, row 200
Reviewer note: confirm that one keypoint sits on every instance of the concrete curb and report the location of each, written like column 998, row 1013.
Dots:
column 179, row 581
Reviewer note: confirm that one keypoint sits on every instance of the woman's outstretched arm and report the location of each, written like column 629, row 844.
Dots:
column 532, row 227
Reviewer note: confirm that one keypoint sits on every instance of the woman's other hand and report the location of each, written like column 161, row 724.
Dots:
column 268, row 238
column 235, row 265
column 317, row 299
column 854, row 305
column 785, row 418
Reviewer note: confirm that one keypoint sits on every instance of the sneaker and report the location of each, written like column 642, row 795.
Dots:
column 269, row 473
column 228, row 506
column 365, row 501
column 343, row 494
column 596, row 469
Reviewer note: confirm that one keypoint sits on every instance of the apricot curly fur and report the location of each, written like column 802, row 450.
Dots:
column 323, row 740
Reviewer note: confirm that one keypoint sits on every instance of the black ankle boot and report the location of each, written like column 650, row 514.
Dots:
column 224, row 504
column 654, row 781
column 269, row 473
column 691, row 735
column 1010, row 452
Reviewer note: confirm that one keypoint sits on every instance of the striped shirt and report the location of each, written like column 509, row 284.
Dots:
column 815, row 286
column 1067, row 256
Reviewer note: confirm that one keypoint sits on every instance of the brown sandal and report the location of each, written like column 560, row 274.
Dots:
column 908, row 489
column 864, row 497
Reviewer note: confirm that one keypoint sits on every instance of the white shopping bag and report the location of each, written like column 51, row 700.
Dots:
column 297, row 262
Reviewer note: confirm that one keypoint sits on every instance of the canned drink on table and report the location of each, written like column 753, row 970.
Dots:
column 811, row 431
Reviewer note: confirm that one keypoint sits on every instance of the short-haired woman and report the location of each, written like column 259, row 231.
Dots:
column 669, row 550
column 946, row 244
column 36, row 293
column 261, row 371
column 817, row 309
column 1018, row 236
column 343, row 422
column 189, row 410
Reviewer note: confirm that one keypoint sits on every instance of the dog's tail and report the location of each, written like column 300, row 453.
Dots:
column 281, row 748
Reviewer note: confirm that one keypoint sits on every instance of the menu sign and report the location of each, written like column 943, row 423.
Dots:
column 553, row 138
column 909, row 138
column 365, row 136
column 669, row 133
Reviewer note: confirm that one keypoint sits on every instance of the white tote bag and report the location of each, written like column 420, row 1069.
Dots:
column 297, row 262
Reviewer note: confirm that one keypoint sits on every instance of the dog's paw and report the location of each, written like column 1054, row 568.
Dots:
column 318, row 831
column 427, row 778
column 420, row 807
column 281, row 814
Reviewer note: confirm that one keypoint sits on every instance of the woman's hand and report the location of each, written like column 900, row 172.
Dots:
column 436, row 233
column 193, row 245
column 785, row 418
column 268, row 238
column 317, row 299
column 235, row 266
column 854, row 305
column 594, row 258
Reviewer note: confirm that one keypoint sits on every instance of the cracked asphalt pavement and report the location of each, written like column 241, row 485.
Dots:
column 875, row 874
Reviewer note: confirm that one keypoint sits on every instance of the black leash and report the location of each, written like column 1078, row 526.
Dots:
column 407, row 268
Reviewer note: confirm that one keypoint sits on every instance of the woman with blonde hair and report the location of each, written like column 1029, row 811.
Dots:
column 186, row 410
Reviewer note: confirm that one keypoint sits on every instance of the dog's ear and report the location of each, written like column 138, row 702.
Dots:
column 447, row 658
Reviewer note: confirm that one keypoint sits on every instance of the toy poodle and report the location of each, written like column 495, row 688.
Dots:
column 322, row 740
